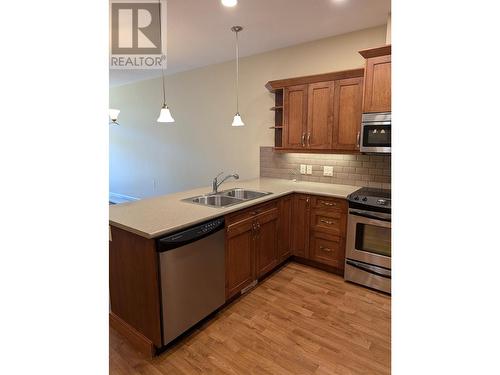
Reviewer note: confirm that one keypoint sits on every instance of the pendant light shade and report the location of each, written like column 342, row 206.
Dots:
column 165, row 115
column 237, row 121
column 113, row 115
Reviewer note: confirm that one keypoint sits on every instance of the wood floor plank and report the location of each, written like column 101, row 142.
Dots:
column 300, row 320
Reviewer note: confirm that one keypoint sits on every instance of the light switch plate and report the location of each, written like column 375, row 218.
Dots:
column 309, row 169
column 302, row 169
column 327, row 170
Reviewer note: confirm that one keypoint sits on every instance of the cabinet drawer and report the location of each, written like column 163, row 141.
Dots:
column 329, row 221
column 250, row 212
column 327, row 249
column 329, row 203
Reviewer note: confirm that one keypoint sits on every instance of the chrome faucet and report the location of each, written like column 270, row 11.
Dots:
column 216, row 183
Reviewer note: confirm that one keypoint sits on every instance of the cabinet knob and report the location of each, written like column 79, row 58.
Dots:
column 327, row 249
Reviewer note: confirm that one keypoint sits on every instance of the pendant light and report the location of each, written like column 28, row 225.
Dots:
column 165, row 115
column 113, row 116
column 237, row 121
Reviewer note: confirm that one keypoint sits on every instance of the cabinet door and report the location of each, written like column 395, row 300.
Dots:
column 295, row 110
column 300, row 225
column 285, row 228
column 327, row 249
column 347, row 108
column 377, row 96
column 320, row 115
column 266, row 242
column 240, row 243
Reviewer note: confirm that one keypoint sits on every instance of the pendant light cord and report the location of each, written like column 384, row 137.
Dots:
column 237, row 73
column 161, row 62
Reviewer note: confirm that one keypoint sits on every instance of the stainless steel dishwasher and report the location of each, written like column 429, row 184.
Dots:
column 192, row 276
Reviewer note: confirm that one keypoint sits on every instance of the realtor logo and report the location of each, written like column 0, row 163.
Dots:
column 138, row 34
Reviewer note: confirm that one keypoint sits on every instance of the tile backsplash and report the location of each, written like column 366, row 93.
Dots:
column 359, row 170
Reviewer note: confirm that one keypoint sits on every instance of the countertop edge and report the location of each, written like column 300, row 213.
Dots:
column 225, row 211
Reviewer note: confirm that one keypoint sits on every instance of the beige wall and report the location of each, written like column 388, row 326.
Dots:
column 147, row 158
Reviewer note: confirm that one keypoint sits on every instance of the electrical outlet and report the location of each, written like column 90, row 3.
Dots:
column 309, row 169
column 327, row 170
column 302, row 169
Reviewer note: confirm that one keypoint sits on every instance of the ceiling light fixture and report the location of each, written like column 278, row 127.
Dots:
column 113, row 116
column 165, row 115
column 237, row 121
column 229, row 3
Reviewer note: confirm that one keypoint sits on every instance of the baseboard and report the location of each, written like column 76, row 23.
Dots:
column 321, row 266
column 134, row 337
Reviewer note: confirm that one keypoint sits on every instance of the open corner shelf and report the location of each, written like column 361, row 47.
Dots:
column 278, row 117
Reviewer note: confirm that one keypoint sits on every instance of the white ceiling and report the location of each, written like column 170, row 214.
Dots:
column 198, row 31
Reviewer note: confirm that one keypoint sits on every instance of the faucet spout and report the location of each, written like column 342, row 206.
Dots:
column 216, row 183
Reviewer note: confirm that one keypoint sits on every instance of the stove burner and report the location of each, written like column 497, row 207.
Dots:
column 371, row 199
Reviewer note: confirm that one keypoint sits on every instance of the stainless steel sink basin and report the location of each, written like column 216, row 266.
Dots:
column 244, row 194
column 216, row 200
column 227, row 197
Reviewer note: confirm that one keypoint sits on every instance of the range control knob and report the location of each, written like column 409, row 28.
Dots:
column 356, row 198
column 365, row 199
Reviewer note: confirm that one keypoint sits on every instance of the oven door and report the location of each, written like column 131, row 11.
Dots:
column 376, row 137
column 369, row 237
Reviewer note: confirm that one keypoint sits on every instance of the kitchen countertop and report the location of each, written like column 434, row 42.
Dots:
column 157, row 216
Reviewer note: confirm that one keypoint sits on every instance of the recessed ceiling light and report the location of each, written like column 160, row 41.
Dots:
column 229, row 3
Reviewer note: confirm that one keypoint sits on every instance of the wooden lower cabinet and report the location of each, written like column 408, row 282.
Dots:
column 319, row 227
column 251, row 245
column 285, row 207
column 240, row 259
column 327, row 249
column 266, row 242
column 300, row 225
column 258, row 239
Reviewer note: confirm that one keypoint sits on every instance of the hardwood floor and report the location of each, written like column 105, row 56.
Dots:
column 300, row 320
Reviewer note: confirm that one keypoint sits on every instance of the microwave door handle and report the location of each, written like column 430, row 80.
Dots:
column 358, row 140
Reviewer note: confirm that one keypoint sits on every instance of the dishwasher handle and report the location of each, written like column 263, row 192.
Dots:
column 189, row 235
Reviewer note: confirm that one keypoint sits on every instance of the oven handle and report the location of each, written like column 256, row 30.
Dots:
column 370, row 269
column 370, row 214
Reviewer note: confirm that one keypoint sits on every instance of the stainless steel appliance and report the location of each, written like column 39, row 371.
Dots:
column 368, row 247
column 376, row 133
column 192, row 276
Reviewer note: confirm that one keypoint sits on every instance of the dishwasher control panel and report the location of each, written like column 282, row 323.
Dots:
column 189, row 235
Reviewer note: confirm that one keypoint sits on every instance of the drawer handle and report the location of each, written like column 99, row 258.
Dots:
column 327, row 249
column 328, row 203
column 326, row 221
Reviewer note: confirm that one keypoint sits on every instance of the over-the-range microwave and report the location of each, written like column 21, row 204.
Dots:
column 376, row 133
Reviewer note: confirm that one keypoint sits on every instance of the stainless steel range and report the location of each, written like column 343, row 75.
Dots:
column 368, row 248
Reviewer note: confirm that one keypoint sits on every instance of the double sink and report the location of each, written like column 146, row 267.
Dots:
column 227, row 197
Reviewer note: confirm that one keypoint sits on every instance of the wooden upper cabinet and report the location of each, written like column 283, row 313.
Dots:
column 347, row 111
column 377, row 90
column 320, row 112
column 319, row 116
column 295, row 113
